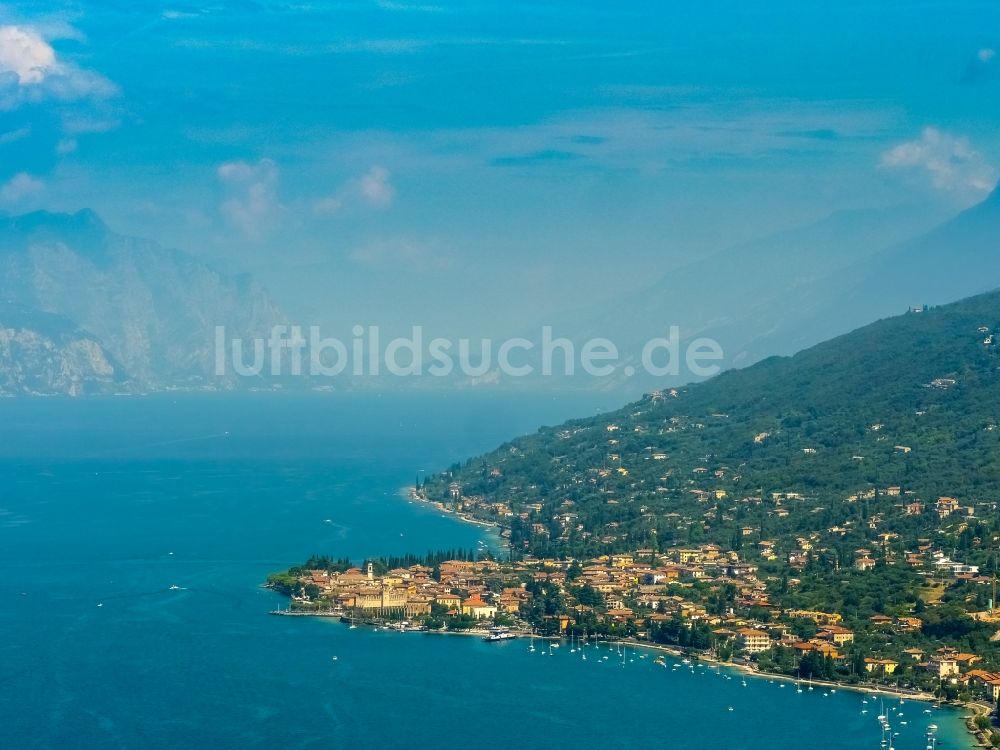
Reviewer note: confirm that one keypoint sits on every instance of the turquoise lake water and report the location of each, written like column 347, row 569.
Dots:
column 112, row 502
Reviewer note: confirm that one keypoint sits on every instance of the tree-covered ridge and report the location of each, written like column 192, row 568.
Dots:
column 854, row 439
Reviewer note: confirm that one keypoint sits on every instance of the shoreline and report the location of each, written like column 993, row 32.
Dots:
column 412, row 494
column 973, row 709
column 975, row 736
column 749, row 671
column 673, row 651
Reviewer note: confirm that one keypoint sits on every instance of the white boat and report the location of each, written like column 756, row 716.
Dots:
column 499, row 634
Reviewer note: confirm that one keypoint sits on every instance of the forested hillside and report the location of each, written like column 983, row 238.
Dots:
column 854, row 439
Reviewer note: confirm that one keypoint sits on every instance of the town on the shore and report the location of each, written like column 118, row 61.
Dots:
column 699, row 600
column 794, row 519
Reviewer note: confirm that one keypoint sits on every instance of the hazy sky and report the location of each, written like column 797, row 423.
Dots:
column 480, row 165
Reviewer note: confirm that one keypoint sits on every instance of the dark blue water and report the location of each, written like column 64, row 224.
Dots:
column 112, row 502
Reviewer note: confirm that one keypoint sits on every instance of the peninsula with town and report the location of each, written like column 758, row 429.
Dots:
column 832, row 517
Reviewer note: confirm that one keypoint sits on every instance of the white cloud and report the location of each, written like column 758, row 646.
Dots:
column 19, row 187
column 251, row 205
column 174, row 15
column 15, row 135
column 25, row 54
column 374, row 189
column 403, row 6
column 329, row 205
column 404, row 253
column 950, row 161
column 31, row 71
column 986, row 54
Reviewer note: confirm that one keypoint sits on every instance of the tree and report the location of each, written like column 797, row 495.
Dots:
column 574, row 571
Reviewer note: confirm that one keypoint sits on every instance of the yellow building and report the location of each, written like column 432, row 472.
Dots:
column 477, row 608
column 837, row 635
column 881, row 667
column 380, row 600
column 752, row 641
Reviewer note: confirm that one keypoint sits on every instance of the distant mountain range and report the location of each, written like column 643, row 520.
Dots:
column 86, row 310
column 789, row 291
column 957, row 259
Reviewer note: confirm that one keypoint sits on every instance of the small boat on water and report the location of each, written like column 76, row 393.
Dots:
column 499, row 634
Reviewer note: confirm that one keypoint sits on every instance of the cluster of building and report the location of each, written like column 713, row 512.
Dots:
column 635, row 589
column 565, row 521
column 459, row 588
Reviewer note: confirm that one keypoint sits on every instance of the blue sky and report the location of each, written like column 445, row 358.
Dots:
column 483, row 165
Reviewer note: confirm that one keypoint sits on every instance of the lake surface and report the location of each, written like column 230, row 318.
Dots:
column 106, row 504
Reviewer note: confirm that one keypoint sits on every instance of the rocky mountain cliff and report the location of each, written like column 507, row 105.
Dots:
column 87, row 310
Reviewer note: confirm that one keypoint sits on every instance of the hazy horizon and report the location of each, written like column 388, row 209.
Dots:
column 478, row 170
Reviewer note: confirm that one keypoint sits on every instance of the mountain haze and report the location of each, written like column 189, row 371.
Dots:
column 146, row 312
column 741, row 295
column 788, row 291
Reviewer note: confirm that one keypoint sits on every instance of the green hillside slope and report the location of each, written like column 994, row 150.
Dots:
column 862, row 434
